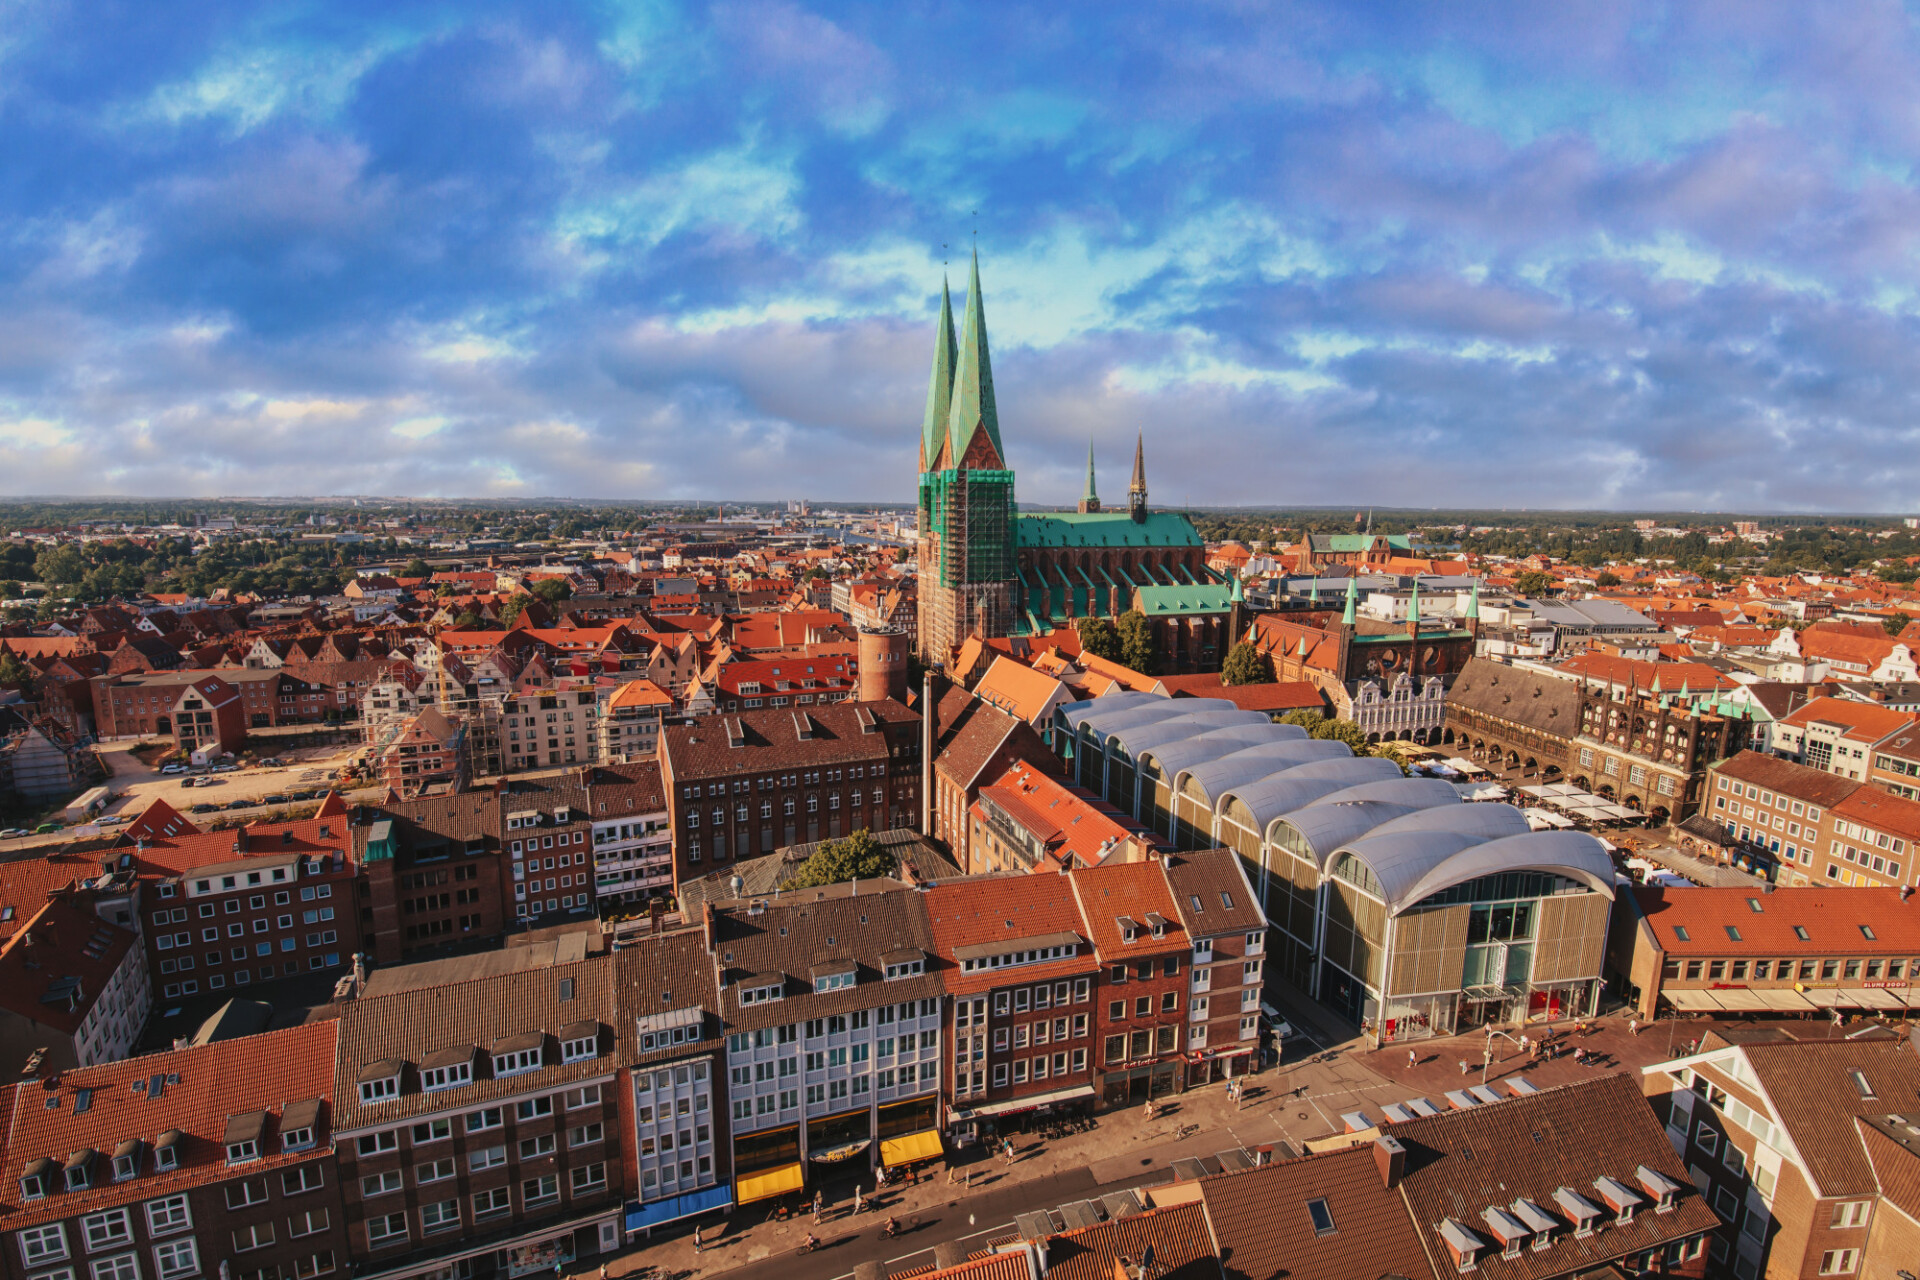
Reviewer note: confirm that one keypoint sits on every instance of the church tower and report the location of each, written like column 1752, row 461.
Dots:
column 1090, row 500
column 1137, row 491
column 965, row 551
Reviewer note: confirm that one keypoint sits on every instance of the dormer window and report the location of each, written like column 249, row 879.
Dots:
column 762, row 993
column 580, row 1042
column 447, row 1077
column 380, row 1081
column 833, row 981
column 126, row 1160
column 518, row 1055
column 1659, row 1186
column 1462, row 1243
column 906, row 969
column 242, row 1152
column 1129, row 930
column 296, row 1139
column 242, row 1139
column 37, row 1180
column 1583, row 1212
column 1619, row 1197
column 79, row 1169
column 166, row 1150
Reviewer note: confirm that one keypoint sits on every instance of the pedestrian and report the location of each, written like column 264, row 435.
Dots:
column 1524, row 1042
column 696, row 1248
column 1412, row 1060
column 603, row 1271
column 1633, row 1026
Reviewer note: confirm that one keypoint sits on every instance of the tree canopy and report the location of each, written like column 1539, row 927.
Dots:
column 857, row 856
column 1895, row 623
column 552, row 590
column 1246, row 665
column 1098, row 638
column 1137, row 649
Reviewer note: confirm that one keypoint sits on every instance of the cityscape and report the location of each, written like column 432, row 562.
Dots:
column 1309, row 774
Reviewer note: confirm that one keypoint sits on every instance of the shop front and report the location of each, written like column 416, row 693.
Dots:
column 1558, row 1001
column 984, row 1122
column 1132, row 1085
column 834, row 1140
column 1210, row 1066
column 767, row 1164
column 909, row 1132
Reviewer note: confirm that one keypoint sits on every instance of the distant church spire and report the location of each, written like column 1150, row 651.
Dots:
column 933, row 428
column 1137, row 491
column 973, row 413
column 1090, row 500
column 1353, row 600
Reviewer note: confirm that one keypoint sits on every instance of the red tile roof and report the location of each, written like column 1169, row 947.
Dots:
column 1072, row 822
column 1134, row 890
column 181, row 854
column 1831, row 917
column 60, row 943
column 987, row 911
column 198, row 1090
column 1864, row 721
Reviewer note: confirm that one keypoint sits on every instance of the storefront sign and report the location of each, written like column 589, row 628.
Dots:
column 1886, row 984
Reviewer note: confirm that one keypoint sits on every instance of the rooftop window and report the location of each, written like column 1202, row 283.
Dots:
column 1322, row 1217
column 1680, row 932
column 1860, row 1082
column 1733, row 934
column 1753, row 905
column 1866, row 931
column 1800, row 932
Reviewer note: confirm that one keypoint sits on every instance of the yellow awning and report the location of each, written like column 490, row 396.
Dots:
column 760, row 1186
column 924, row 1145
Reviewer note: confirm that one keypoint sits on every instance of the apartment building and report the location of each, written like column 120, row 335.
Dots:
column 1805, row 951
column 1228, row 933
column 197, row 709
column 249, row 905
column 831, row 1002
column 74, row 989
column 1147, row 980
column 199, row 1162
column 1801, row 1147
column 476, row 1119
column 1839, row 735
column 1020, row 971
column 630, row 719
column 632, row 833
column 542, row 728
column 432, row 874
column 1812, row 826
column 673, row 1081
column 749, row 784
column 547, row 828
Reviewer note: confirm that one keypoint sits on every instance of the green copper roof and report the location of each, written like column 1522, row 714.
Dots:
column 933, row 428
column 1090, row 496
column 973, row 408
column 1105, row 529
column 1361, row 541
column 1162, row 601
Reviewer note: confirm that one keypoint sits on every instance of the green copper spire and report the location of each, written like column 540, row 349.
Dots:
column 1413, row 610
column 1236, row 595
column 933, row 428
column 1090, row 500
column 973, row 408
column 1353, row 600
column 1473, row 603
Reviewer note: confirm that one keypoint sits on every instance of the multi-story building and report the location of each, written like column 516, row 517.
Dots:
column 1147, row 978
column 1027, row 820
column 831, row 1001
column 673, row 1080
column 759, row 781
column 197, row 709
column 1020, row 971
column 249, row 905
column 215, row 1160
column 630, row 718
column 74, row 989
column 550, row 727
column 1797, row 951
column 1839, row 735
column 547, row 828
column 1228, row 931
column 1801, row 1147
column 1812, row 826
column 477, row 1120
column 432, row 874
column 974, row 742
column 632, row 833
column 1895, row 763
column 424, row 754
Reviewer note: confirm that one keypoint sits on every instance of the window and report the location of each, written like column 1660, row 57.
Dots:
column 443, row 1215
column 372, row 1144
column 538, row 1191
column 257, row 1236
column 533, row 1108
column 176, row 1258
column 376, row 1090
column 43, row 1244
column 243, row 1151
column 432, row 1131
column 1851, row 1213
column 1321, row 1216
column 580, row 1050
column 584, row 1135
column 380, row 1184
column 310, row 1223
column 386, row 1229
column 164, row 1217
column 492, row 1204
column 124, row 1267
column 1839, row 1262
column 246, row 1192
column 304, row 1179
column 516, row 1063
column 104, row 1230
column 588, row 1179
column 534, row 1148
column 436, row 1078
column 296, row 1139
column 487, row 1119
column 486, row 1158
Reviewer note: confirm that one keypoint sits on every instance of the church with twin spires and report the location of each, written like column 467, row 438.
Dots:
column 987, row 569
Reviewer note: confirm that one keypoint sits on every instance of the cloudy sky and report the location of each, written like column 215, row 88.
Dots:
column 1554, row 254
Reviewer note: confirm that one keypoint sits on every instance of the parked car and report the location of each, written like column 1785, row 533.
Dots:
column 275, row 798
column 240, row 804
column 203, row 808
column 111, row 820
column 190, row 782
column 46, row 828
column 225, row 768
column 173, row 768
column 14, row 833
column 1280, row 1028
column 306, row 795
column 272, row 762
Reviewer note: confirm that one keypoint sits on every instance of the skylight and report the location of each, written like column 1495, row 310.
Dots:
column 1800, row 932
column 1866, row 931
column 1733, row 934
column 1860, row 1082
column 1753, row 905
column 1680, row 932
column 1322, row 1217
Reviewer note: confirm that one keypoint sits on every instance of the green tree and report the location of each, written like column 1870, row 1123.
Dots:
column 1895, row 623
column 1533, row 582
column 416, row 568
column 62, row 565
column 515, row 606
column 1246, row 665
column 1607, row 578
column 553, row 590
column 1308, row 720
column 470, row 621
column 1895, row 573
column 1137, row 649
column 15, row 671
column 1343, row 731
column 10, row 590
column 857, row 856
column 1098, row 638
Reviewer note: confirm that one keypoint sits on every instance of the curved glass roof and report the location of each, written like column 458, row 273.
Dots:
column 1325, row 827
column 1433, row 849
column 1138, row 738
column 1145, row 710
column 1253, row 763
column 1398, row 789
column 1573, row 854
column 1112, row 704
column 1184, row 753
column 1290, row 789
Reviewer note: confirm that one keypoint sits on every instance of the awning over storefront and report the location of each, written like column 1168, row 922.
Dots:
column 1025, row 1104
column 640, row 1216
column 1882, row 998
column 924, row 1145
column 772, row 1182
column 1690, row 1001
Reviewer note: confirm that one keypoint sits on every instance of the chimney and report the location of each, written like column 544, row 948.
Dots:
column 707, row 924
column 948, row 1253
column 1390, row 1158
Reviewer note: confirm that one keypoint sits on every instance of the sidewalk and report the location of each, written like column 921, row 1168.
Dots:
column 1124, row 1147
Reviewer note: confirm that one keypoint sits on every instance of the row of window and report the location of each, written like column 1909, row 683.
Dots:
column 384, row 1231
column 810, row 778
column 743, row 812
column 833, row 1025
column 1785, row 970
column 856, row 1086
column 481, row 1121
column 242, row 977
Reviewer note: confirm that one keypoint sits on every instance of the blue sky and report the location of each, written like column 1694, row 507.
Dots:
column 1578, row 255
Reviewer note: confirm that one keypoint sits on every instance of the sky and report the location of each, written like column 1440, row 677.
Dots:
column 1574, row 255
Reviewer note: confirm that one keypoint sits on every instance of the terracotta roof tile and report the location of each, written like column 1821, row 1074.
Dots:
column 982, row 911
column 1261, row 1220
column 1181, row 1240
column 1816, row 1100
column 1831, row 917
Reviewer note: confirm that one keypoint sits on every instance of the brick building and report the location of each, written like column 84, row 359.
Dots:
column 1810, row 826
column 207, row 1161
column 195, row 708
column 432, row 874
column 743, row 785
column 476, row 1118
